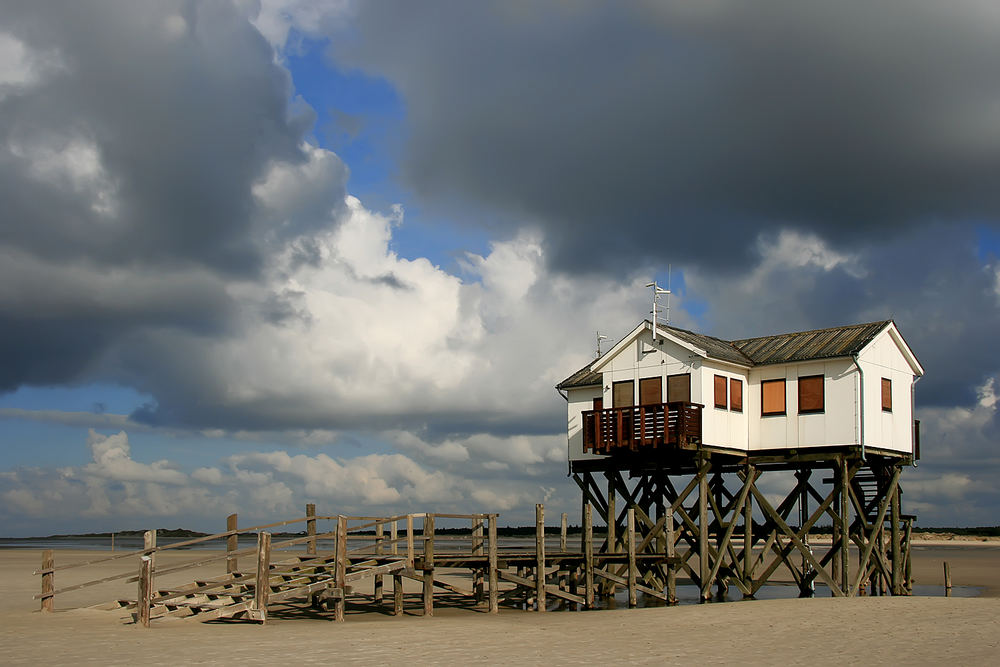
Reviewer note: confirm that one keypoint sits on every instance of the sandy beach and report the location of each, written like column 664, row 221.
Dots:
column 916, row 630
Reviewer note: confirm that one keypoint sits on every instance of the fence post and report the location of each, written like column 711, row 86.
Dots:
column 409, row 541
column 379, row 585
column 262, row 587
column 340, row 568
column 477, row 550
column 145, row 590
column 48, row 581
column 947, row 580
column 428, row 565
column 148, row 543
column 232, row 545
column 540, row 556
column 311, row 528
column 492, row 557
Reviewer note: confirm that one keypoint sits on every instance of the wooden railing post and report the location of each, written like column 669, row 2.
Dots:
column 588, row 557
column 262, row 585
column 632, row 601
column 48, row 581
column 409, row 541
column 428, row 565
column 311, row 528
column 340, row 569
column 232, row 545
column 145, row 590
column 397, row 579
column 492, row 557
column 540, row 556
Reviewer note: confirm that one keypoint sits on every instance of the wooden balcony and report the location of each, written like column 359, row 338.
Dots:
column 641, row 427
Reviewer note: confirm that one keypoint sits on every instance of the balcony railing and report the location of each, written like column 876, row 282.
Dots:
column 641, row 427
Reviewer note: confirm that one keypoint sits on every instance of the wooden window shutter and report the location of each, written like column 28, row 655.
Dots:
column 772, row 397
column 650, row 391
column 679, row 388
column 887, row 394
column 720, row 392
column 622, row 394
column 735, row 395
column 811, row 393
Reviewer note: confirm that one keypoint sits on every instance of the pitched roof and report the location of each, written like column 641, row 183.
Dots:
column 782, row 348
column 805, row 345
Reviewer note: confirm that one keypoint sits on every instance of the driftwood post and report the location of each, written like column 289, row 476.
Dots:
column 340, row 569
column 48, row 580
column 632, row 601
column 232, row 544
column 563, row 573
column 947, row 580
column 429, row 565
column 311, row 528
column 145, row 590
column 379, row 586
column 492, row 573
column 540, row 556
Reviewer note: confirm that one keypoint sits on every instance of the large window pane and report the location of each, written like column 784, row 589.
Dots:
column 735, row 395
column 621, row 394
column 887, row 394
column 650, row 391
column 772, row 397
column 720, row 392
column 679, row 388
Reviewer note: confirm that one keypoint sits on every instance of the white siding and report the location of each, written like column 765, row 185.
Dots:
column 882, row 358
column 580, row 400
column 722, row 427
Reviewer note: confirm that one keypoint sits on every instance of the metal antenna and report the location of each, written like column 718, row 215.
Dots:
column 657, row 291
column 599, row 339
column 669, row 267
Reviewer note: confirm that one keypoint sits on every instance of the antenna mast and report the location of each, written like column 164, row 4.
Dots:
column 657, row 291
column 599, row 339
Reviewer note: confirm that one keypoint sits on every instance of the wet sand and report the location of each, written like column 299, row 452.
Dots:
column 820, row 631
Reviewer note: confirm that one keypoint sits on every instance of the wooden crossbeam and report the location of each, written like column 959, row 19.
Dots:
column 883, row 506
column 529, row 584
column 610, row 576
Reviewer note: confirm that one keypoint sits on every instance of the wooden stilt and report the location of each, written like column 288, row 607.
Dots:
column 947, row 580
column 311, row 528
column 608, row 586
column 477, row 550
column 588, row 557
column 232, row 544
column 896, row 545
column 703, row 563
column 632, row 601
column 540, row 557
column 668, row 527
column 748, row 559
column 148, row 545
column 48, row 581
column 428, row 565
column 379, row 590
column 842, row 479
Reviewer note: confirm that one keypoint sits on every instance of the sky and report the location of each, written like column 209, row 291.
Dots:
column 255, row 254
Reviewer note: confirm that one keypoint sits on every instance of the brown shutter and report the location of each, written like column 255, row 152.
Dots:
column 811, row 393
column 679, row 388
column 621, row 394
column 599, row 403
column 772, row 397
column 887, row 394
column 735, row 395
column 720, row 392
column 650, row 391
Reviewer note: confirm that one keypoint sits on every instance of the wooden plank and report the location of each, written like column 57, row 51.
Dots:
column 604, row 574
column 340, row 567
column 883, row 506
column 376, row 571
column 529, row 584
column 428, row 559
column 588, row 557
column 311, row 528
column 232, row 543
column 379, row 590
column 262, row 588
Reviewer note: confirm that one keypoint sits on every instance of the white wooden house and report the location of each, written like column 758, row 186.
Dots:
column 844, row 387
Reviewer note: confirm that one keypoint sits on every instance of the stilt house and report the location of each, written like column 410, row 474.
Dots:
column 847, row 388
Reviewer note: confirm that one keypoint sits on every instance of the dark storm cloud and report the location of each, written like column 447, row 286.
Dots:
column 127, row 170
column 674, row 130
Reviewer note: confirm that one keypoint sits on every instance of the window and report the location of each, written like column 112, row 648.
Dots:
column 679, row 388
column 621, row 394
column 735, row 395
column 599, row 403
column 650, row 391
column 887, row 394
column 810, row 394
column 772, row 397
column 720, row 392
